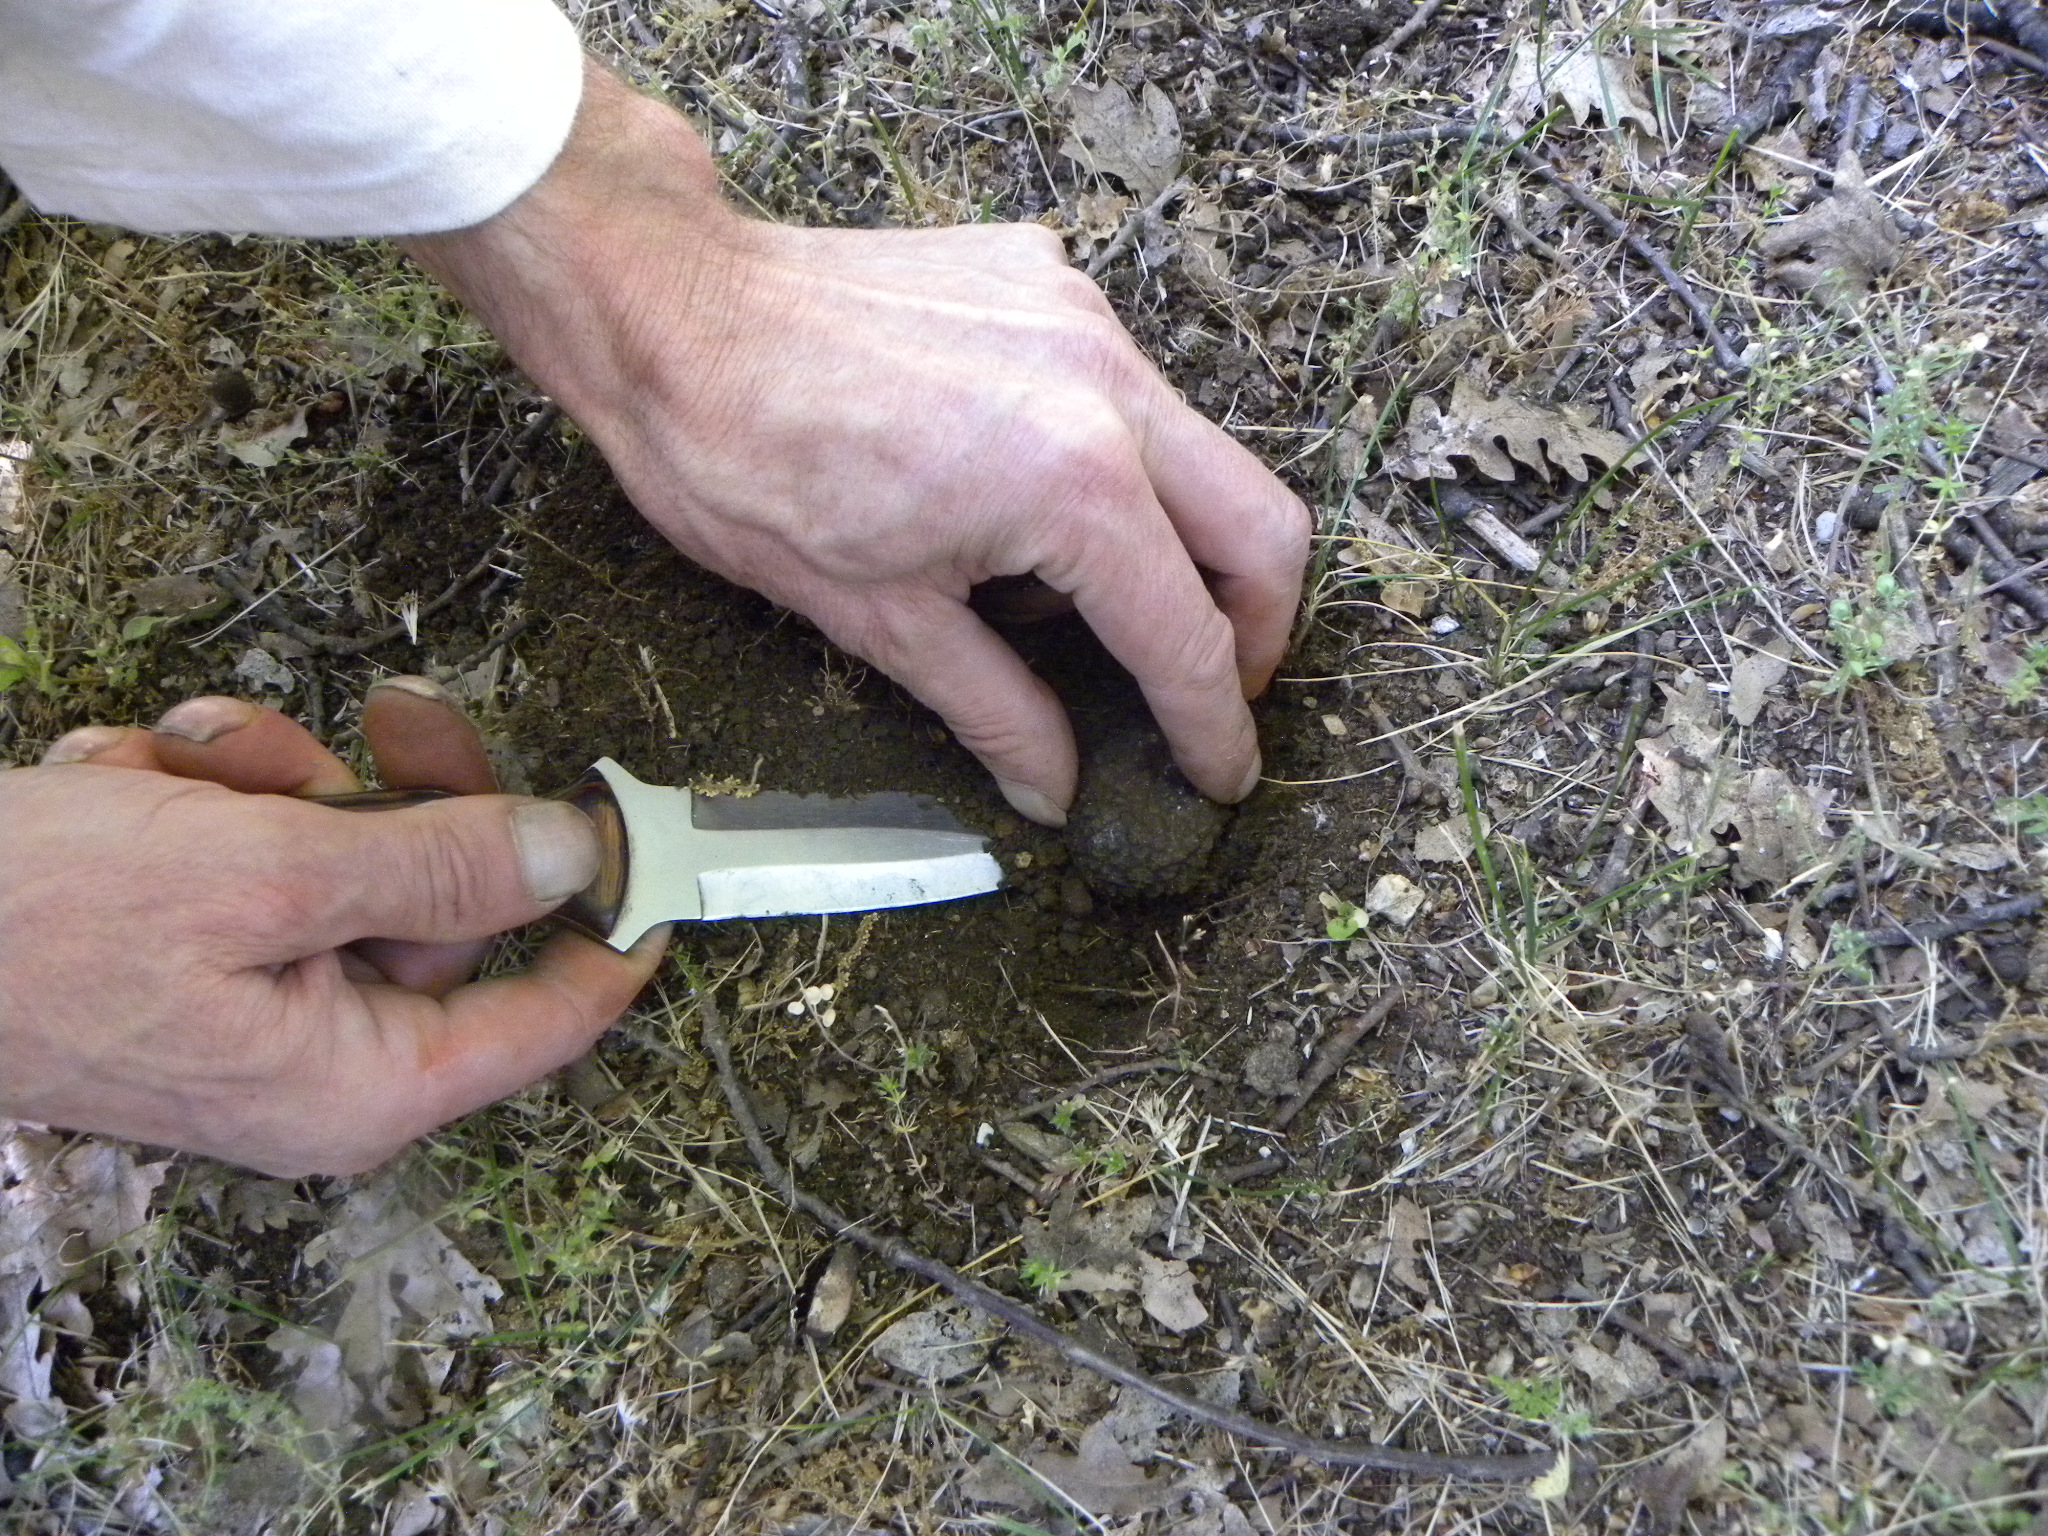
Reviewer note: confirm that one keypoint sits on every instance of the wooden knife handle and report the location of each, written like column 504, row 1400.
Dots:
column 594, row 910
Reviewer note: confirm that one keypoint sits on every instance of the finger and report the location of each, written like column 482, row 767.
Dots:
column 485, row 1041
column 1134, row 583
column 440, row 873
column 246, row 747
column 997, row 708
column 1238, row 521
column 104, row 746
column 421, row 739
column 434, row 970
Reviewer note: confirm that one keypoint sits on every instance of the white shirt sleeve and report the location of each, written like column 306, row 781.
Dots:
column 287, row 117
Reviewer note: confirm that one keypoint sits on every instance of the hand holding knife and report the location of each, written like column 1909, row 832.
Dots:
column 678, row 854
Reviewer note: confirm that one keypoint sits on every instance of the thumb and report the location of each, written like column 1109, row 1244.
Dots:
column 438, row 873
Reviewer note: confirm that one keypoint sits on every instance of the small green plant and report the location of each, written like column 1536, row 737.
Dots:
column 1063, row 1117
column 2028, row 815
column 1892, row 1386
column 1541, row 1400
column 1043, row 1276
column 918, row 1056
column 1850, row 948
column 2025, row 681
column 1861, row 632
column 25, row 662
column 1345, row 919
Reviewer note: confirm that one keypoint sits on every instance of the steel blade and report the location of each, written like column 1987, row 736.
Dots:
column 705, row 857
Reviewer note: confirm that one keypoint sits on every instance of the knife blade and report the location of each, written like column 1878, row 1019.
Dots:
column 679, row 855
column 697, row 857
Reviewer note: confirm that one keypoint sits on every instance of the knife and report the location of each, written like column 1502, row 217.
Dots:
column 676, row 854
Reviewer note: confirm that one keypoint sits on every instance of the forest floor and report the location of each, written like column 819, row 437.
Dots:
column 1643, row 906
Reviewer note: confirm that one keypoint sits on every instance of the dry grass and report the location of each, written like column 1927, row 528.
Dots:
column 1662, row 1160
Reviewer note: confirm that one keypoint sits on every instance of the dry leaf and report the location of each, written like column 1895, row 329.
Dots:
column 1204, row 224
column 1395, row 898
column 1780, row 826
column 264, row 447
column 1102, row 1478
column 1829, row 1232
column 1166, row 1290
column 14, row 519
column 1397, row 1250
column 1687, row 1471
column 68, row 1210
column 1138, row 142
column 408, row 1288
column 1628, row 1373
column 1754, row 676
column 1094, row 1250
column 1538, row 436
column 936, row 1344
column 1836, row 249
column 1585, row 81
column 833, row 1296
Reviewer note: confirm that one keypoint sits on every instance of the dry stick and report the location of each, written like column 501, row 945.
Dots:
column 1407, row 32
column 1135, row 221
column 1333, row 1053
column 1334, row 1453
column 1963, row 922
column 341, row 645
column 1412, row 776
column 1113, row 1074
column 1724, row 353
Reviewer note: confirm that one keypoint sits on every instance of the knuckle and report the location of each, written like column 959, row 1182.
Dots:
column 1203, row 657
column 448, row 880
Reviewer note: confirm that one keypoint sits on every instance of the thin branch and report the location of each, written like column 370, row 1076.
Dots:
column 1334, row 1052
column 1377, row 1458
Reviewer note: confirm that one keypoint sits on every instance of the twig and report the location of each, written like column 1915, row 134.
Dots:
column 1133, row 223
column 1963, row 922
column 342, row 645
column 502, row 638
column 2021, row 23
column 2007, row 578
column 1407, row 32
column 529, row 434
column 1640, row 678
column 1113, row 1074
column 1366, row 143
column 1333, row 1053
column 1725, row 354
column 1412, row 776
column 1021, row 1318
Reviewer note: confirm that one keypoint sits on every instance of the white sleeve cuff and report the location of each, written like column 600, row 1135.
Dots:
column 285, row 117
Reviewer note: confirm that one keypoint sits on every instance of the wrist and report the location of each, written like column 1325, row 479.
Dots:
column 630, row 208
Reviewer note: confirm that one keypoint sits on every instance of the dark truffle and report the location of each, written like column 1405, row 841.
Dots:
column 1138, row 829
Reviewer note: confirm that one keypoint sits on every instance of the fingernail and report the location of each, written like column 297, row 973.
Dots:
column 558, row 852
column 204, row 720
column 652, row 944
column 1251, row 780
column 418, row 687
column 1032, row 804
column 85, row 742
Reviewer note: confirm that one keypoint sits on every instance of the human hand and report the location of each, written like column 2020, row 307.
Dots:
column 864, row 424
column 189, row 957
